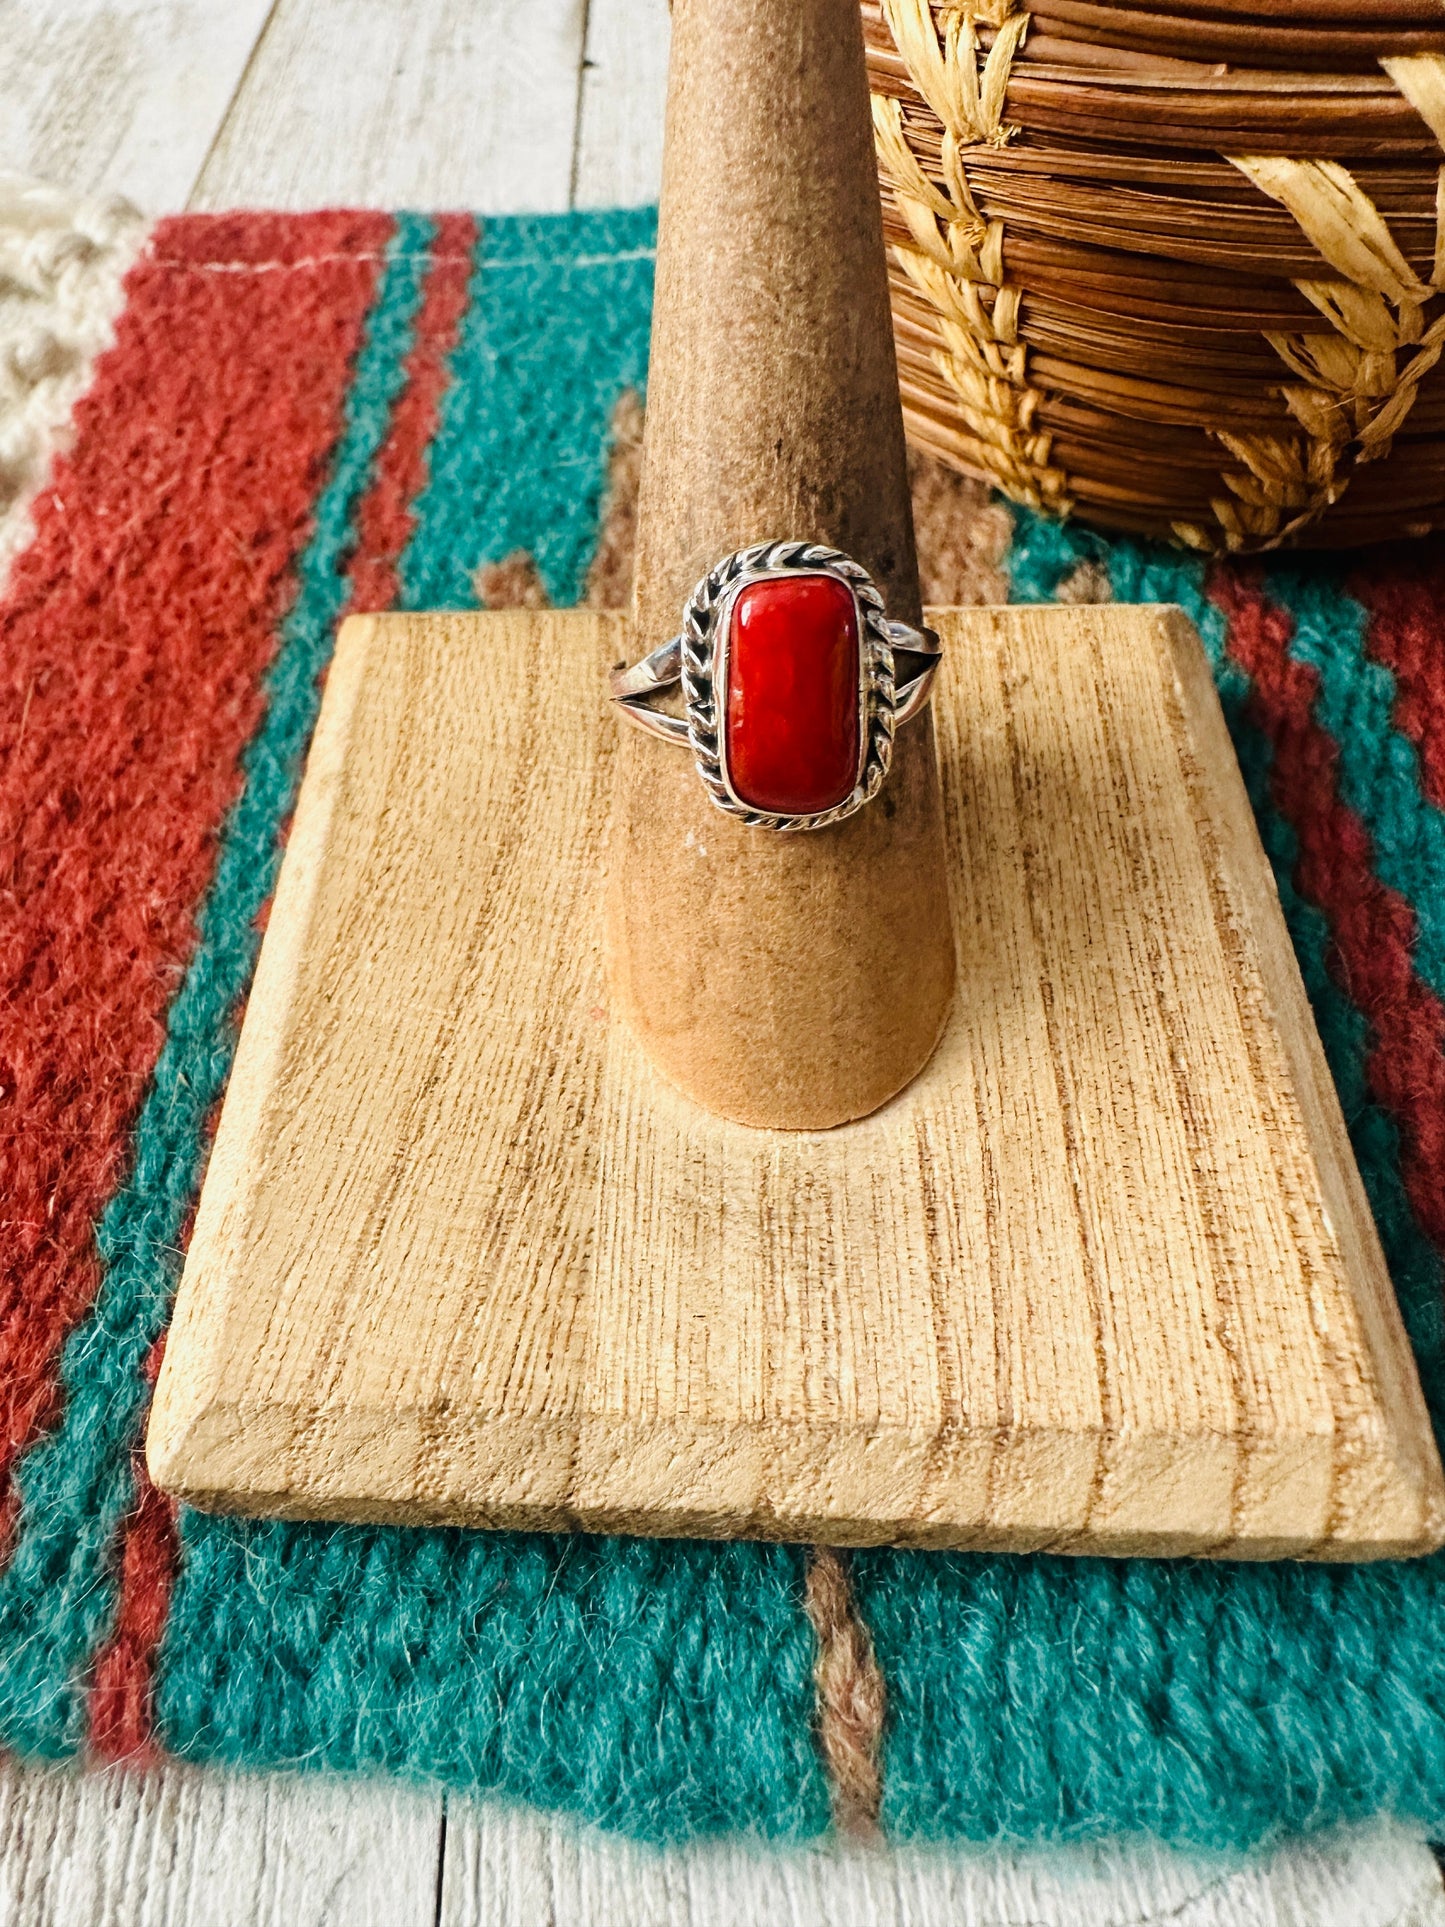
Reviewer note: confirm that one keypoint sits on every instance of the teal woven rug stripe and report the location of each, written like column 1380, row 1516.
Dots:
column 667, row 1689
column 556, row 330
column 1225, row 1703
column 57, row 1594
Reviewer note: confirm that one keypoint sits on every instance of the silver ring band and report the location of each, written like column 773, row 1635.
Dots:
column 743, row 766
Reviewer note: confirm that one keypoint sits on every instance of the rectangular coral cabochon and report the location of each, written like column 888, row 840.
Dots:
column 793, row 726
column 1103, row 1279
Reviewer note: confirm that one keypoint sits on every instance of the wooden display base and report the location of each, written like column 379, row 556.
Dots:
column 1102, row 1279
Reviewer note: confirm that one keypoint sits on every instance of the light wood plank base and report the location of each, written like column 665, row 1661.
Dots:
column 1103, row 1279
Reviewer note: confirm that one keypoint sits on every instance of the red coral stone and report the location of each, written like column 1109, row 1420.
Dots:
column 792, row 695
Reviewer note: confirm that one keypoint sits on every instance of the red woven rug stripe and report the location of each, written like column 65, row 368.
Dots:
column 1407, row 634
column 120, row 1709
column 1372, row 926
column 138, row 682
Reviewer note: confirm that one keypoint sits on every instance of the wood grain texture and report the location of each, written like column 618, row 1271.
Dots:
column 81, row 105
column 438, row 103
column 120, row 96
column 129, row 96
column 169, row 1846
column 506, row 1868
column 618, row 162
column 1103, row 1279
column 173, row 1847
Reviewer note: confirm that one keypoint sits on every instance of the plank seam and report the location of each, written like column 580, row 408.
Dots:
column 584, row 66
column 224, row 120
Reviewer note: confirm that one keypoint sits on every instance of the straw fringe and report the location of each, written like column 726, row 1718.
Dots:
column 1349, row 388
column 956, row 261
column 1421, row 79
column 1354, row 390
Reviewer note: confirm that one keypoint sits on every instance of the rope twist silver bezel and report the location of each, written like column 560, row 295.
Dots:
column 691, row 658
column 700, row 621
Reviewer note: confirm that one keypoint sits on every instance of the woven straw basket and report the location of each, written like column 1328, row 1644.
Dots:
column 1176, row 270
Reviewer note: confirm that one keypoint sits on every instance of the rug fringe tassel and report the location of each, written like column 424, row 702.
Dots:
column 63, row 261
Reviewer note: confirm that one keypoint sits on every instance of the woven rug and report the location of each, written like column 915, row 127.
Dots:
column 297, row 415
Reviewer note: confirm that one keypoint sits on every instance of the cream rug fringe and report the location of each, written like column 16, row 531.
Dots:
column 63, row 261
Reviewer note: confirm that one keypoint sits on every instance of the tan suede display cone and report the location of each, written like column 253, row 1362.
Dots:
column 788, row 981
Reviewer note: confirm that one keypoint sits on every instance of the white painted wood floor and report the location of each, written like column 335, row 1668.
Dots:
column 497, row 105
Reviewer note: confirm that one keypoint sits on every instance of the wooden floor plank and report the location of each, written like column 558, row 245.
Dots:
column 437, row 103
column 129, row 95
column 174, row 1847
column 624, row 91
column 510, row 1868
column 123, row 97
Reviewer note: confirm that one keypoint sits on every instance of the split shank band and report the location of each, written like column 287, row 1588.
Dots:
column 789, row 669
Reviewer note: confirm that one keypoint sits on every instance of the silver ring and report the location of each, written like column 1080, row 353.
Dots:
column 791, row 692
